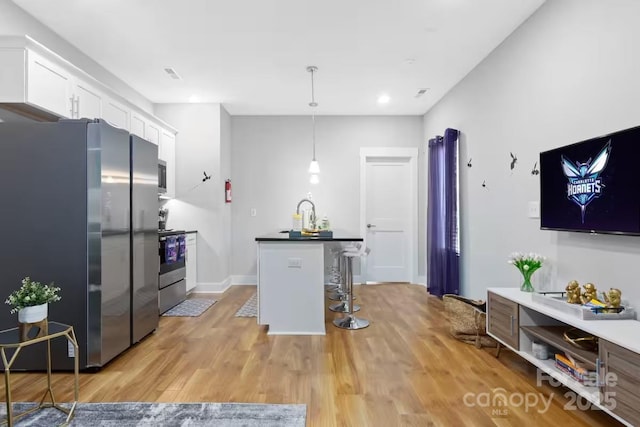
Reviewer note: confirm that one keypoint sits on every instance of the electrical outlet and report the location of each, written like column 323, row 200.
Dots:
column 534, row 209
column 294, row 263
column 253, row 212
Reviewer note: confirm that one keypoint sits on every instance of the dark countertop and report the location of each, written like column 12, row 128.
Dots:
column 190, row 231
column 338, row 236
column 170, row 233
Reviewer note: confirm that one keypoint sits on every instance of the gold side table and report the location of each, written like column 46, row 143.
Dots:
column 10, row 339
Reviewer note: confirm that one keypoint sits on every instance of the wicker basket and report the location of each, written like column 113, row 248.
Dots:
column 467, row 320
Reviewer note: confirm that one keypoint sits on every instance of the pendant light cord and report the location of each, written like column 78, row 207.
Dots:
column 313, row 104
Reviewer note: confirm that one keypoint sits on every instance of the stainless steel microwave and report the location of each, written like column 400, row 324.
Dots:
column 162, row 176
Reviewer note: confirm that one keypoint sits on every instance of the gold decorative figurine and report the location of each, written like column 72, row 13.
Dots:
column 573, row 292
column 590, row 292
column 613, row 297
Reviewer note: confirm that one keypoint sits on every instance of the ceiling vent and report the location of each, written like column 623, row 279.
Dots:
column 421, row 92
column 172, row 73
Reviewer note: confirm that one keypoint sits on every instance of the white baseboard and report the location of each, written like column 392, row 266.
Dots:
column 239, row 280
column 212, row 288
column 244, row 280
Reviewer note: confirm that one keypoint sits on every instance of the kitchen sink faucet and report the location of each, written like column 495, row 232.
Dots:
column 312, row 218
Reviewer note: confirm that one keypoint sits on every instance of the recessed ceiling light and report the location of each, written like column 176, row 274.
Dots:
column 194, row 99
column 383, row 99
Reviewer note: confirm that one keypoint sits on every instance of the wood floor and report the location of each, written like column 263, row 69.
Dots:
column 404, row 370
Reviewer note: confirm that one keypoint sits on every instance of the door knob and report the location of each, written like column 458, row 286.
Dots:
column 370, row 225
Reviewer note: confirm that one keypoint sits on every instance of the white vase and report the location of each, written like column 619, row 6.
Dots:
column 33, row 314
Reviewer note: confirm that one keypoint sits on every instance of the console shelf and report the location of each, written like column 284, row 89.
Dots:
column 553, row 335
column 517, row 321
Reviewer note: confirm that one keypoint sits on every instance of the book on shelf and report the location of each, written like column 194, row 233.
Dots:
column 578, row 373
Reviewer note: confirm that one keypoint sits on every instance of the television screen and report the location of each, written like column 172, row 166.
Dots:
column 592, row 185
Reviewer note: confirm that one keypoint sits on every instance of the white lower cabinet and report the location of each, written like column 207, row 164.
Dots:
column 192, row 261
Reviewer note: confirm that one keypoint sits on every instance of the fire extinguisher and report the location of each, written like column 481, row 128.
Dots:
column 227, row 191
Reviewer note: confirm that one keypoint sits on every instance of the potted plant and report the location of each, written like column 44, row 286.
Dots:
column 32, row 299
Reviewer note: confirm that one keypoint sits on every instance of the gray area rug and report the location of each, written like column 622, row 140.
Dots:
column 191, row 307
column 250, row 308
column 138, row 414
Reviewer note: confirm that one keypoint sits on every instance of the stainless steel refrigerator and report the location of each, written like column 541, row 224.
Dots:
column 67, row 213
column 145, row 263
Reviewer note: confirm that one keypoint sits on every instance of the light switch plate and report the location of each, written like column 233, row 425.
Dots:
column 534, row 209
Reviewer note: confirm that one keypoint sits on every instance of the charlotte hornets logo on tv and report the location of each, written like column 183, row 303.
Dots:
column 585, row 183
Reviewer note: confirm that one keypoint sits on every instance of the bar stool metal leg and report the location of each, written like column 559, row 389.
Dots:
column 335, row 275
column 350, row 321
column 342, row 306
column 339, row 294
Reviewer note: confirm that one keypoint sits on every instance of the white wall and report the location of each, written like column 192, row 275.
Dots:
column 200, row 205
column 567, row 74
column 270, row 156
column 225, row 173
column 16, row 22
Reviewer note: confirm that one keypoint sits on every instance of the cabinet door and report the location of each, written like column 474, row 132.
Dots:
column 48, row 86
column 152, row 134
column 192, row 262
column 502, row 320
column 137, row 125
column 620, row 381
column 88, row 101
column 116, row 114
column 168, row 150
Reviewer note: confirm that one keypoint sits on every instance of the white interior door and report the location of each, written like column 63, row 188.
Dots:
column 390, row 205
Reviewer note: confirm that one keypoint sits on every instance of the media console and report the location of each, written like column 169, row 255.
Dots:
column 517, row 321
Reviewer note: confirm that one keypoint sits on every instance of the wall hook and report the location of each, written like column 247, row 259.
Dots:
column 535, row 170
column 514, row 160
column 206, row 177
column 469, row 163
column 484, row 184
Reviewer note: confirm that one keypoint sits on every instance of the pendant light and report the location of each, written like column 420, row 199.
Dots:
column 314, row 167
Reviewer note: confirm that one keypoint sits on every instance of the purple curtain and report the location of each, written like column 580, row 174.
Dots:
column 443, row 219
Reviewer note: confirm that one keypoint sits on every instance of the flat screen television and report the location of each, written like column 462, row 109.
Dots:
column 592, row 186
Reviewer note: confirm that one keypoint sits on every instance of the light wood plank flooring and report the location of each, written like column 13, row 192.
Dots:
column 404, row 370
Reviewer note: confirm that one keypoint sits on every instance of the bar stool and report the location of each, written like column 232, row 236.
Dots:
column 338, row 293
column 335, row 275
column 350, row 321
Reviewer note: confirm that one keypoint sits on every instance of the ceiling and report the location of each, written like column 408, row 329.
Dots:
column 251, row 55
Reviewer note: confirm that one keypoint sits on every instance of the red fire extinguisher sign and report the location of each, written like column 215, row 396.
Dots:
column 227, row 191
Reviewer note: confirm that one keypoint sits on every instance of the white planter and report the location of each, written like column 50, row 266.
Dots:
column 33, row 314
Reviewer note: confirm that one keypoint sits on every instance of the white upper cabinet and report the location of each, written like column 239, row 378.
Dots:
column 49, row 85
column 138, row 125
column 40, row 84
column 152, row 134
column 116, row 113
column 87, row 100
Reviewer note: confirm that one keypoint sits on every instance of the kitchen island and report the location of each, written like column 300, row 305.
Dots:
column 291, row 282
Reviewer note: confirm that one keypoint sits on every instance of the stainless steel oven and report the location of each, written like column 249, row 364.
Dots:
column 171, row 281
